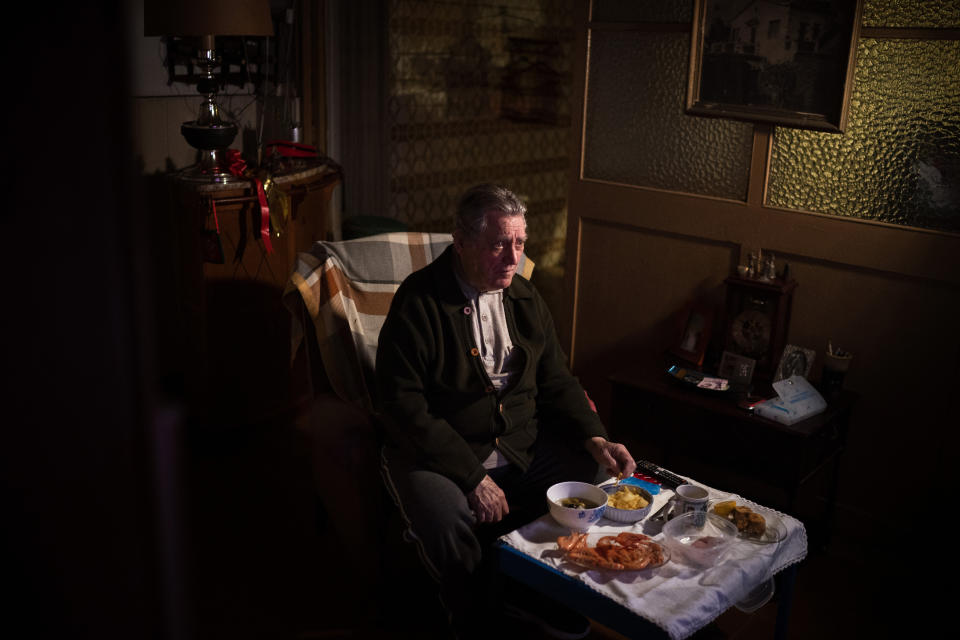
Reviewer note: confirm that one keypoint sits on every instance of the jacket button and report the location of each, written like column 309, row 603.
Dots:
column 496, row 441
column 501, row 407
column 489, row 389
column 467, row 310
column 474, row 351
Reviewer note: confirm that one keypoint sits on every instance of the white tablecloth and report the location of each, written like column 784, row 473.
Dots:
column 677, row 597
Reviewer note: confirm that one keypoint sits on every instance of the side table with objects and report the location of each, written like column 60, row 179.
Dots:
column 238, row 242
column 717, row 438
column 669, row 573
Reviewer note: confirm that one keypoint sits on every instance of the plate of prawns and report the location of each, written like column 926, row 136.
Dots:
column 626, row 551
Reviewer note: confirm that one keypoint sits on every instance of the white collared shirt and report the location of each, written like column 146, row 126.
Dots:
column 492, row 338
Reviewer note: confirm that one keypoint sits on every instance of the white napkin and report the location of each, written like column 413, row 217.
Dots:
column 678, row 598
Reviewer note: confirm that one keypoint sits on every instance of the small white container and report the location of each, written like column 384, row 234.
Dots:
column 627, row 515
column 578, row 519
column 690, row 497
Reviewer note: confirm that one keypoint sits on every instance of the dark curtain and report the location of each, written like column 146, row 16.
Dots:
column 361, row 42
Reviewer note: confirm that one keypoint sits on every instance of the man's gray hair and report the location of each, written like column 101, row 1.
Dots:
column 470, row 217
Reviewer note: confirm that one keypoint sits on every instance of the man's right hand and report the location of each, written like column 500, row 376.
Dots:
column 487, row 501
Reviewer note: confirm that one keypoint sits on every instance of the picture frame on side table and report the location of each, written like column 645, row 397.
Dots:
column 796, row 361
column 787, row 63
column 695, row 333
column 736, row 368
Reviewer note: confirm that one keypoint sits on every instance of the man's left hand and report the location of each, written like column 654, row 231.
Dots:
column 612, row 456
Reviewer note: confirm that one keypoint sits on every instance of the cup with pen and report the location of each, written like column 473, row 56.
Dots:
column 835, row 365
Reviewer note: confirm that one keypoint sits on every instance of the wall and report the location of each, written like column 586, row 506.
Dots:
column 477, row 93
column 888, row 293
column 158, row 108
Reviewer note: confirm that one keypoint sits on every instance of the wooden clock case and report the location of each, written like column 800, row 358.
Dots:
column 757, row 319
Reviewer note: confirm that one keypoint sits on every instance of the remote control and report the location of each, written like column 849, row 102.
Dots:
column 670, row 480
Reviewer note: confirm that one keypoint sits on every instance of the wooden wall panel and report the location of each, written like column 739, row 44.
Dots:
column 632, row 295
column 633, row 281
column 903, row 332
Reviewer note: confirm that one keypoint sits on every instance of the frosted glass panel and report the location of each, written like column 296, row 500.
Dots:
column 899, row 160
column 636, row 131
column 647, row 11
column 911, row 13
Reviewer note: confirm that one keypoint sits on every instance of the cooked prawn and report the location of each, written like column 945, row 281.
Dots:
column 624, row 551
column 571, row 542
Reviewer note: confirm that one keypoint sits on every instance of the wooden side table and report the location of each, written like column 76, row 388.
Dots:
column 239, row 368
column 237, row 218
column 705, row 435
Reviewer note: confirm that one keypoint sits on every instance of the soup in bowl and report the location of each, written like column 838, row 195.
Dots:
column 576, row 505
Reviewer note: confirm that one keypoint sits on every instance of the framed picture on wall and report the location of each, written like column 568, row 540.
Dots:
column 789, row 63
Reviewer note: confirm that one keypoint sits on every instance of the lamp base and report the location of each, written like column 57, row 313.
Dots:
column 209, row 170
column 196, row 174
column 204, row 136
column 212, row 142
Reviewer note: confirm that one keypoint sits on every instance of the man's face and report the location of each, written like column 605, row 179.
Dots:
column 490, row 259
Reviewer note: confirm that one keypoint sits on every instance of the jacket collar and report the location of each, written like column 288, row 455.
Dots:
column 451, row 296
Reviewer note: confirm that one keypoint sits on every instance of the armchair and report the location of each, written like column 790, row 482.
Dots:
column 338, row 296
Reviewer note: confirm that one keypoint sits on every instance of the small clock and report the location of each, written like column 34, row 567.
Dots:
column 750, row 332
column 757, row 319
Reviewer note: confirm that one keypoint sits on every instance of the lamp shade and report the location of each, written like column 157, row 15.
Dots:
column 207, row 17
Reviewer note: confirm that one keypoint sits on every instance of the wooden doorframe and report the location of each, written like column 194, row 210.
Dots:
column 909, row 252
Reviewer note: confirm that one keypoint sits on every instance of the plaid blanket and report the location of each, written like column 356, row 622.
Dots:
column 346, row 288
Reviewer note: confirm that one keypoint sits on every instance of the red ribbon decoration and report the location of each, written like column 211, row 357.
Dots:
column 238, row 167
column 235, row 163
column 289, row 149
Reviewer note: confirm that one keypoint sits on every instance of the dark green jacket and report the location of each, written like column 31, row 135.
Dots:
column 441, row 409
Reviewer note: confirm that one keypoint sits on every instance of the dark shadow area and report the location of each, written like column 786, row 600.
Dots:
column 248, row 347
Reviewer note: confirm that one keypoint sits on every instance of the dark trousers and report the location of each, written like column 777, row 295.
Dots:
column 454, row 548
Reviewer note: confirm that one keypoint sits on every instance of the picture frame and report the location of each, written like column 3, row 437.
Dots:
column 787, row 63
column 795, row 361
column 736, row 368
column 694, row 335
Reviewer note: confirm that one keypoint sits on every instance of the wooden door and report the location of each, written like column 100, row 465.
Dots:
column 639, row 251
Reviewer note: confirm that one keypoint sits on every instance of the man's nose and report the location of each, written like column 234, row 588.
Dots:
column 513, row 255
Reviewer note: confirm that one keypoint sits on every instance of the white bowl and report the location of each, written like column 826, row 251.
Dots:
column 579, row 519
column 701, row 545
column 627, row 515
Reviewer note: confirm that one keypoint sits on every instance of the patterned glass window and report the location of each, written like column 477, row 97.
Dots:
column 899, row 159
column 636, row 129
column 911, row 13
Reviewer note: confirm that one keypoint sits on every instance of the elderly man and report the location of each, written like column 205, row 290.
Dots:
column 483, row 414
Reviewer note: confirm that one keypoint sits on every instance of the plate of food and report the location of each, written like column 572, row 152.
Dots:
column 625, row 551
column 754, row 524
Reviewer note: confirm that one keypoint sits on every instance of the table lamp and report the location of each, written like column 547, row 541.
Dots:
column 205, row 19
